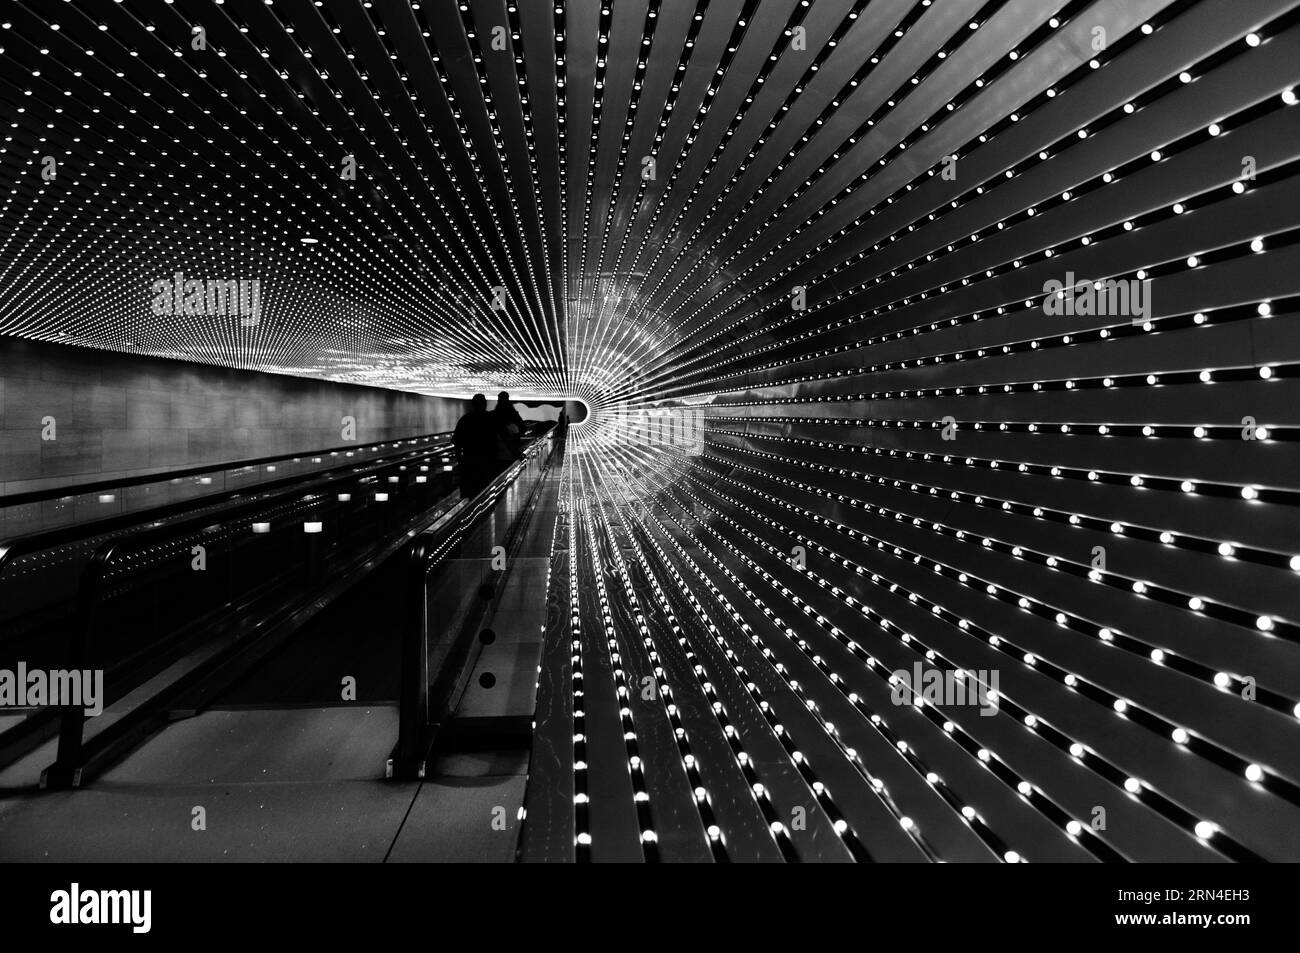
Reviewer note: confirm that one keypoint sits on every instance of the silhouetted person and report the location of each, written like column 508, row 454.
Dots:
column 510, row 424
column 478, row 443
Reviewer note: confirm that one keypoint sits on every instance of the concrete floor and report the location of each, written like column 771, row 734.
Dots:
column 274, row 785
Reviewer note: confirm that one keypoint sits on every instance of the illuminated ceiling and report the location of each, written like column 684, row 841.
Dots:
column 831, row 229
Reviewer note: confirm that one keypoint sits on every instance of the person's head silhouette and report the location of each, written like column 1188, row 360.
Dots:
column 478, row 402
column 503, row 397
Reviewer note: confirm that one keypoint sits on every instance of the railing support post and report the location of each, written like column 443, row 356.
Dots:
column 66, row 770
column 408, row 758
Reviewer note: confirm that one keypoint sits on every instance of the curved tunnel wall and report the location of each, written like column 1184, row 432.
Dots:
column 74, row 415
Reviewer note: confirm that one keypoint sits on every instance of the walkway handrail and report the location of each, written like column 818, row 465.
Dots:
column 11, row 549
column 57, row 493
column 421, row 705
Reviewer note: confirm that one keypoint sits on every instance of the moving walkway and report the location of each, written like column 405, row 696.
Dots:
column 177, row 604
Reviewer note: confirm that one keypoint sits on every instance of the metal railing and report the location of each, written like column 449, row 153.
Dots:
column 44, row 568
column 27, row 513
column 453, row 570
